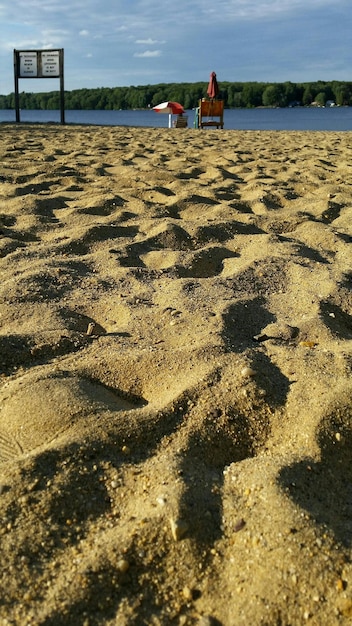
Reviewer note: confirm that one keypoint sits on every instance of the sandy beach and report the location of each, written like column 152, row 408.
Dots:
column 175, row 377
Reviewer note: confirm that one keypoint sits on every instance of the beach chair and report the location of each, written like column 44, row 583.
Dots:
column 181, row 121
column 208, row 110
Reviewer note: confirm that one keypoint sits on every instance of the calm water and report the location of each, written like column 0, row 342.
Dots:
column 300, row 118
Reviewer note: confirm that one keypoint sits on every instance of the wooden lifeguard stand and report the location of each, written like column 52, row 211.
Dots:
column 208, row 110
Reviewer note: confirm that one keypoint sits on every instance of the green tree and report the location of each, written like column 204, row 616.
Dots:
column 342, row 93
column 320, row 98
column 252, row 95
column 234, row 94
column 238, row 99
column 273, row 96
column 307, row 97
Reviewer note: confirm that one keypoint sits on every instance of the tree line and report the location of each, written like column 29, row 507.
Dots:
column 235, row 95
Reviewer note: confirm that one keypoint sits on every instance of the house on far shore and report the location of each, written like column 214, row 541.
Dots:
column 330, row 103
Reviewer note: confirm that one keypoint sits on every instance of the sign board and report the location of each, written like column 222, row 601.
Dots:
column 39, row 64
column 28, row 65
column 50, row 64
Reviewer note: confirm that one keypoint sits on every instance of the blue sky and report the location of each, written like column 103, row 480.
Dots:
column 110, row 43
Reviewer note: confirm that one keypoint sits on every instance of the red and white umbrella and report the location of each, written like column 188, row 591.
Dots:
column 172, row 108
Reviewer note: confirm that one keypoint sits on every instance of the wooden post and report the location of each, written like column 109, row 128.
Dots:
column 62, row 89
column 17, row 97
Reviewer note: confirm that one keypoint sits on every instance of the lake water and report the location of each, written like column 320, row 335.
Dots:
column 297, row 118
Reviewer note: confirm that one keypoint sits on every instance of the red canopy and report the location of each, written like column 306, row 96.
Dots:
column 213, row 87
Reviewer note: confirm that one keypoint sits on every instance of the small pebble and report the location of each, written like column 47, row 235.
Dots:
column 340, row 585
column 239, row 525
column 187, row 593
column 123, row 566
column 178, row 529
column 247, row 372
column 90, row 328
column 308, row 344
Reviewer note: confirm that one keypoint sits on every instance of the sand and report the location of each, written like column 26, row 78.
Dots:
column 175, row 389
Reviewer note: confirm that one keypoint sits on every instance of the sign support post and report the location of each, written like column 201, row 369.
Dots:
column 17, row 98
column 62, row 90
column 39, row 64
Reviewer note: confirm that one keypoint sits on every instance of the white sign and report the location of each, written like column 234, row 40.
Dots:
column 50, row 64
column 28, row 65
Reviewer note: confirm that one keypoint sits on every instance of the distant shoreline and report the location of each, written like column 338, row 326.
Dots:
column 260, row 118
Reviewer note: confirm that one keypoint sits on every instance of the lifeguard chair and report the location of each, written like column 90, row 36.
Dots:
column 208, row 110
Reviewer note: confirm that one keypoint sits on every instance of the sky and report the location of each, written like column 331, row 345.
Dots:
column 113, row 43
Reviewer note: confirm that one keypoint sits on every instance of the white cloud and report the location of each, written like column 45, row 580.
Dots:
column 84, row 33
column 148, row 53
column 149, row 42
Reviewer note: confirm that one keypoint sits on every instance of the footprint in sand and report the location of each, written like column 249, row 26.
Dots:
column 324, row 488
column 205, row 263
column 339, row 321
column 37, row 408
